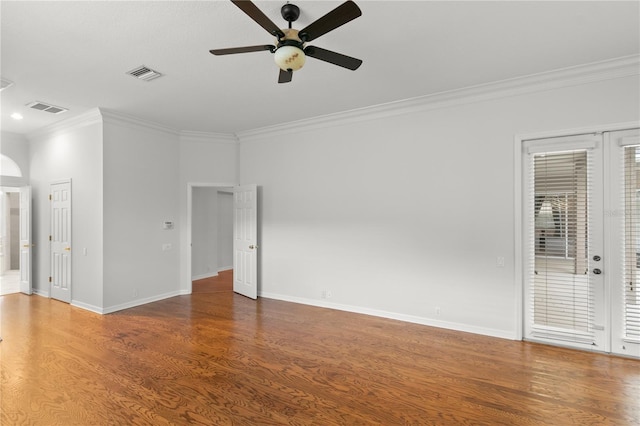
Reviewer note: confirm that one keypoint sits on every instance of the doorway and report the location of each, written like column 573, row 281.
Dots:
column 9, row 240
column 211, row 234
column 581, row 241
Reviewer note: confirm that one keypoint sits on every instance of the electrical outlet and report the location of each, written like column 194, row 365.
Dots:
column 438, row 311
column 500, row 262
column 135, row 292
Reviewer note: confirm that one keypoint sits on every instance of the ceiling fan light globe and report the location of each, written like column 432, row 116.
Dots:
column 289, row 58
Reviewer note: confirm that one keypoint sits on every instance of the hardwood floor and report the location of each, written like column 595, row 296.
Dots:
column 221, row 283
column 220, row 358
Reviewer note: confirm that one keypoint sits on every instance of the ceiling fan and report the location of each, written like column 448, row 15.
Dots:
column 291, row 47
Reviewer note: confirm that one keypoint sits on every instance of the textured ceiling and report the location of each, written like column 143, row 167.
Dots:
column 76, row 54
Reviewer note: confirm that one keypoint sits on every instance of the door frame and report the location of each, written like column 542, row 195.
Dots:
column 519, row 237
column 190, row 187
column 26, row 286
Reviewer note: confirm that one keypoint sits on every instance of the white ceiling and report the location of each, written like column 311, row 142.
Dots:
column 75, row 55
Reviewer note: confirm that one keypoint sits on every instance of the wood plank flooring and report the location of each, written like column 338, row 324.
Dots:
column 219, row 359
column 220, row 283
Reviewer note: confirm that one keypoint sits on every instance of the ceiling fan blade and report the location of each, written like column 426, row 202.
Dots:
column 333, row 57
column 285, row 76
column 342, row 14
column 245, row 49
column 257, row 15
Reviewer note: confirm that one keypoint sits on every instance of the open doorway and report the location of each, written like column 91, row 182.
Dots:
column 9, row 240
column 211, row 218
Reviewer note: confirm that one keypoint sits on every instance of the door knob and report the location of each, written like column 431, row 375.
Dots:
column 253, row 246
column 67, row 248
column 597, row 271
column 597, row 258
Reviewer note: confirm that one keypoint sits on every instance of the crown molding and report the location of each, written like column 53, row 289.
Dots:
column 121, row 119
column 208, row 137
column 565, row 77
column 87, row 118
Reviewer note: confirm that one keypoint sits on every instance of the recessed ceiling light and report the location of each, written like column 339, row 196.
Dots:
column 17, row 116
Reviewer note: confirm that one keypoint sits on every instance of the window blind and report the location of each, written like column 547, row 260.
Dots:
column 561, row 289
column 631, row 258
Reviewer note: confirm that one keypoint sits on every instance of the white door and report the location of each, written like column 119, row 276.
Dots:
column 582, row 241
column 25, row 240
column 564, row 284
column 245, row 240
column 623, row 265
column 61, row 241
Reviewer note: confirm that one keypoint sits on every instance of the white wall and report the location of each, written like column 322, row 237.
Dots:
column 205, row 160
column 16, row 147
column 71, row 151
column 204, row 233
column 141, row 192
column 225, row 230
column 404, row 214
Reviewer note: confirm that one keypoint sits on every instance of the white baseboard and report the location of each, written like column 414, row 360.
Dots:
column 38, row 292
column 225, row 268
column 396, row 316
column 138, row 302
column 87, row 307
column 203, row 276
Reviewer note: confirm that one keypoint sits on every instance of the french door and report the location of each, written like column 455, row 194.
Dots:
column 582, row 241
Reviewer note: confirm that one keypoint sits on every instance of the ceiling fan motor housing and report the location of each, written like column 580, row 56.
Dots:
column 290, row 12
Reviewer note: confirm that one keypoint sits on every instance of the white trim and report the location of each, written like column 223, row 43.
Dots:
column 88, row 118
column 87, row 307
column 126, row 120
column 606, row 70
column 12, row 181
column 578, row 131
column 629, row 140
column 208, row 137
column 577, row 145
column 41, row 293
column 502, row 334
column 203, row 276
column 225, row 268
column 135, row 303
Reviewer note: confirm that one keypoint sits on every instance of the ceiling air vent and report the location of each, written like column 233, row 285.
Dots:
column 41, row 106
column 144, row 73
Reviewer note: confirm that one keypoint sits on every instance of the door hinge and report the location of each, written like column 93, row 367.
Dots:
column 50, row 197
column 49, row 237
column 49, row 279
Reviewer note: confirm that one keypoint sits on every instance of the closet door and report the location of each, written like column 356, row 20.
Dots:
column 563, row 218
column 623, row 215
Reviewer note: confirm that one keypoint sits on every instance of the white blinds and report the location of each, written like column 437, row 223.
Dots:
column 561, row 288
column 631, row 191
